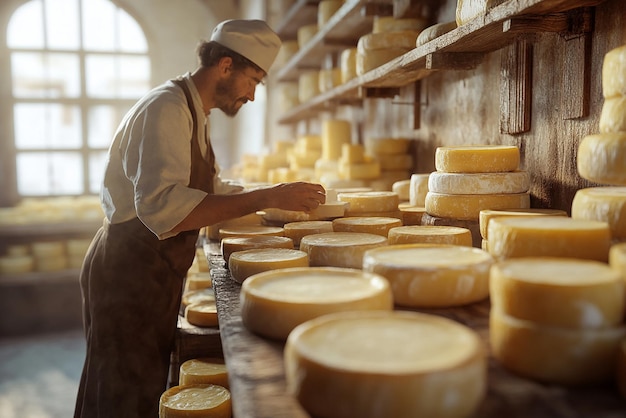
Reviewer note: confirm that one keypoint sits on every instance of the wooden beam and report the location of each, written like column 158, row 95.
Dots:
column 453, row 60
column 516, row 89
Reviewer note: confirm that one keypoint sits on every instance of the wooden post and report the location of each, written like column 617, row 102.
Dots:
column 516, row 89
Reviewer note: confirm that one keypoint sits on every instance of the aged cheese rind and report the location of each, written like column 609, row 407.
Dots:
column 375, row 201
column 605, row 204
column 243, row 264
column 378, row 225
column 601, row 158
column 477, row 159
column 434, row 31
column 339, row 249
column 614, row 73
column 479, row 183
column 613, row 115
column 430, row 234
column 487, row 214
column 197, row 400
column 468, row 206
column 204, row 370
column 230, row 245
column 297, row 230
column 203, row 314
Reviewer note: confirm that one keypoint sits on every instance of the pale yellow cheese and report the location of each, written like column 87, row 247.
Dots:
column 297, row 230
column 614, row 73
column 202, row 314
column 487, row 214
column 339, row 249
column 419, row 189
column 484, row 245
column 479, row 183
column 412, row 215
column 201, row 260
column 305, row 34
column 549, row 236
column 16, row 264
column 204, row 370
column 559, row 292
column 613, row 115
column 335, row 133
column 430, row 234
column 198, row 281
column 359, row 171
column 383, row 214
column 434, row 31
column 432, row 275
column 308, row 85
column 197, row 400
column 468, row 206
column 234, row 244
column 383, row 24
column 601, row 158
column 404, row 39
column 379, row 201
column 552, row 354
column 477, row 159
column 203, row 295
column 385, row 364
column 403, row 189
column 18, row 250
column 617, row 258
column 288, row 95
column 467, row 10
column 251, row 219
column 367, row 60
column 352, row 153
column 252, row 230
column 48, row 249
column 347, row 64
column 309, row 142
column 329, row 79
column 326, row 9
column 368, row 224
column 275, row 302
column 388, row 146
column 243, row 264
column 605, row 204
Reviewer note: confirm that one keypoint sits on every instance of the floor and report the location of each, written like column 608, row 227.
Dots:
column 39, row 374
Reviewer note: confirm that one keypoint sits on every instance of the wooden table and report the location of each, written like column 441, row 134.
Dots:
column 257, row 378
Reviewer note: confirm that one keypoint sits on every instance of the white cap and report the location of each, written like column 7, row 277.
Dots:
column 253, row 39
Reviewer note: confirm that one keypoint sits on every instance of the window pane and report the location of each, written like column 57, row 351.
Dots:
column 47, row 75
column 47, row 126
column 131, row 36
column 97, row 161
column 103, row 121
column 40, row 174
column 62, row 14
column 123, row 77
column 25, row 27
column 99, row 26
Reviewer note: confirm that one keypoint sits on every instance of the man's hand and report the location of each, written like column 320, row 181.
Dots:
column 301, row 196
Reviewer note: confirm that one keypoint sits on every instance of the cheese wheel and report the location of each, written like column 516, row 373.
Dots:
column 248, row 231
column 412, row 215
column 404, row 39
column 605, row 204
column 621, row 369
column 479, row 183
column 308, row 85
column 432, row 275
column 275, row 302
column 309, row 142
column 234, row 244
column 383, row 24
column 352, row 153
column 367, row 60
column 552, row 354
column 335, row 133
column 16, row 264
column 395, row 162
column 428, row 234
column 205, row 295
column 359, row 171
column 388, row 214
column 467, row 10
column 385, row 364
column 388, row 146
column 49, row 249
column 601, row 158
column 328, row 79
column 297, row 230
column 559, row 292
column 201, row 260
column 403, row 189
column 347, row 64
column 434, row 31
column 203, row 370
column 617, row 258
column 198, row 281
column 17, row 250
column 375, row 201
column 468, row 206
column 477, row 159
column 487, row 214
column 419, row 188
column 613, row 115
column 339, row 249
column 244, row 264
column 614, row 73
column 198, row 400
column 252, row 219
column 203, row 314
column 548, row 236
column 287, row 50
column 369, row 224
column 305, row 33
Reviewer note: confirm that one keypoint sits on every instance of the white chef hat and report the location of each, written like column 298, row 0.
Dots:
column 253, row 39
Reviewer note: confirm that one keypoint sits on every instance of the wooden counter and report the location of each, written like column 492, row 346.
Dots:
column 257, row 383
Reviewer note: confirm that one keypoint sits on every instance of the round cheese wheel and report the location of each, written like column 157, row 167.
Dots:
column 404, row 39
column 412, row 215
column 287, row 50
column 252, row 219
column 326, row 9
column 297, row 230
column 375, row 201
column 248, row 231
column 559, row 292
column 403, row 189
column 191, row 297
column 617, row 258
column 487, row 214
column 359, row 171
column 339, row 249
column 548, row 236
column 348, row 64
column 388, row 146
column 605, row 204
column 467, row 10
column 428, row 234
column 198, row 400
column 275, row 302
column 419, row 188
column 601, row 158
column 468, row 206
column 305, row 33
column 477, row 159
column 614, row 73
column 198, row 281
column 367, row 60
column 329, row 79
column 202, row 314
column 385, row 364
column 369, row 224
column 244, row 264
column 308, row 86
column 203, row 370
column 16, row 264
column 434, row 31
column 383, row 24
column 234, row 244
column 335, row 133
column 17, row 250
column 479, row 183
column 432, row 275
column 553, row 354
column 613, row 115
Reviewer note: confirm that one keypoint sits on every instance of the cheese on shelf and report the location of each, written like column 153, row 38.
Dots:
column 16, row 264
column 305, row 33
column 487, row 214
column 202, row 314
column 467, row 10
column 559, row 292
column 605, row 204
column 198, row 281
column 388, row 146
column 244, row 264
column 375, row 201
column 348, row 64
column 601, row 158
column 197, row 400
column 234, row 244
column 329, row 79
column 552, row 354
column 403, row 189
column 203, row 370
column 368, row 170
column 419, row 188
column 614, row 73
column 308, row 85
column 48, row 249
column 385, row 364
column 479, row 183
column 468, row 206
column 275, row 302
column 369, row 224
column 252, row 219
column 432, row 275
column 339, row 249
column 335, row 133
column 548, row 236
column 613, row 115
column 368, row 59
column 412, row 215
column 434, row 31
column 383, row 24
column 192, row 297
column 248, row 231
column 297, row 230
column 617, row 258
column 429, row 234
column 477, row 159
column 404, row 39
column 326, row 9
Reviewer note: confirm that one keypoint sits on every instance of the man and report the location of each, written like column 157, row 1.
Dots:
column 160, row 187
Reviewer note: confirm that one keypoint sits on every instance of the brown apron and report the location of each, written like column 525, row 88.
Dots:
column 131, row 284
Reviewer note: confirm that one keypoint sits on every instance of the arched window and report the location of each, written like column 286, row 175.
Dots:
column 76, row 67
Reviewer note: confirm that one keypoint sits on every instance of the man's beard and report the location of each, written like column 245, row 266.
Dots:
column 224, row 97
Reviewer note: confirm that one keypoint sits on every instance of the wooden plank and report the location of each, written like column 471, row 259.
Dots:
column 516, row 91
column 453, row 60
column 303, row 12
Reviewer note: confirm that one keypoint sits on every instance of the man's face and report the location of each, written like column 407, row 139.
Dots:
column 236, row 89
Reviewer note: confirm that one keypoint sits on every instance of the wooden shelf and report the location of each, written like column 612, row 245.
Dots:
column 41, row 277
column 459, row 49
column 303, row 12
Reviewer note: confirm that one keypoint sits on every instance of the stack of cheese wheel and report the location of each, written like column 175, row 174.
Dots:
column 16, row 260
column 430, row 234
column 385, row 364
column 329, row 78
column 243, row 264
column 355, row 165
column 275, row 302
column 374, row 203
column 467, row 10
column 394, row 158
column 297, row 230
column 50, row 255
column 418, row 189
column 379, row 225
column 432, row 275
column 557, row 320
column 486, row 215
column 234, row 244
column 205, row 371
column 434, row 31
column 199, row 307
column 601, row 156
column 549, row 236
column 606, row 204
column 197, row 400
column 339, row 249
column 306, row 151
